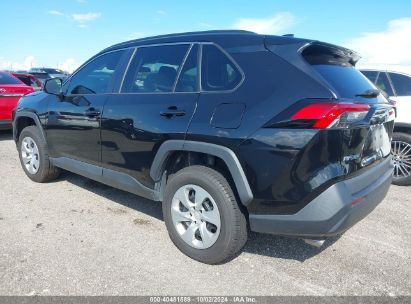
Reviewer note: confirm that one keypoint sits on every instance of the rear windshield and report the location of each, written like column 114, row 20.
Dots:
column 6, row 78
column 336, row 66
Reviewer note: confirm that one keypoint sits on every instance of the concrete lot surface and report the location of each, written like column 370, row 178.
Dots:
column 78, row 237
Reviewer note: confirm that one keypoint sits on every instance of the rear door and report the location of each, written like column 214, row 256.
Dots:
column 155, row 103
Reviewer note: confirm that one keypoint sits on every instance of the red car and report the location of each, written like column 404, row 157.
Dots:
column 11, row 89
column 29, row 80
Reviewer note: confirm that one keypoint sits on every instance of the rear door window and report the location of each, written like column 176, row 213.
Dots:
column 154, row 69
column 384, row 84
column 188, row 80
column 218, row 72
column 401, row 83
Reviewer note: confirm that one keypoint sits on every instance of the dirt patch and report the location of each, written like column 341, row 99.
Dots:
column 117, row 210
column 141, row 222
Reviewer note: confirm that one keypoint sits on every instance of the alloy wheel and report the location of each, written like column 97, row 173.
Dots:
column 402, row 158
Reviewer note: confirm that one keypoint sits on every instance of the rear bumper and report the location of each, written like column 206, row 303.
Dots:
column 5, row 124
column 335, row 210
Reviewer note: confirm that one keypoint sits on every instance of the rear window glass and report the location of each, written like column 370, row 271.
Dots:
column 347, row 81
column 336, row 66
column 6, row 78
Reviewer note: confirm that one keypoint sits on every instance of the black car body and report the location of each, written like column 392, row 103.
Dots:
column 298, row 133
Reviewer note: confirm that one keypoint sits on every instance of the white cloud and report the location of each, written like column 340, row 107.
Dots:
column 27, row 63
column 83, row 18
column 56, row 13
column 161, row 12
column 275, row 24
column 391, row 46
column 69, row 65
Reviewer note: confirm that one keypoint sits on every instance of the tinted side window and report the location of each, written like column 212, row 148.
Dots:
column 154, row 69
column 401, row 83
column 384, row 84
column 96, row 77
column 371, row 75
column 218, row 72
column 188, row 80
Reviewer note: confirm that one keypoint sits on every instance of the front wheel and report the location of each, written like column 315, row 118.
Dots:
column 34, row 156
column 202, row 215
column 401, row 151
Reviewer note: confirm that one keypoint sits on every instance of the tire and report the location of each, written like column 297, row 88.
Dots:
column 232, row 232
column 35, row 160
column 401, row 150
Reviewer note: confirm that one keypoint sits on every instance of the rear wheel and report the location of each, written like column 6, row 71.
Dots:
column 202, row 215
column 34, row 156
column 401, row 151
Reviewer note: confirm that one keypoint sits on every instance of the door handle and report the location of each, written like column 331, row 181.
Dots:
column 92, row 112
column 172, row 111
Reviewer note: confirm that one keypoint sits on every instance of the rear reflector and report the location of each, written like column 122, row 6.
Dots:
column 336, row 115
column 357, row 201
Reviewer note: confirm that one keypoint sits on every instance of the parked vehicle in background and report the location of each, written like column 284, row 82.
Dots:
column 29, row 80
column 53, row 73
column 397, row 84
column 226, row 128
column 11, row 89
column 41, row 76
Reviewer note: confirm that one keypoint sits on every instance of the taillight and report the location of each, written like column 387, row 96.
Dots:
column 332, row 115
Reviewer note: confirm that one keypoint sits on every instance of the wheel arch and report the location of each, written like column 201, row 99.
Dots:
column 225, row 154
column 24, row 119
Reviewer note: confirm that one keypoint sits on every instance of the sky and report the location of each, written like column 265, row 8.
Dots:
column 65, row 33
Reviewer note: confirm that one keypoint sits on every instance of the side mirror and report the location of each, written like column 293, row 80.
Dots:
column 53, row 86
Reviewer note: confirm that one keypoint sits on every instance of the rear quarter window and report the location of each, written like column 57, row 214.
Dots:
column 218, row 72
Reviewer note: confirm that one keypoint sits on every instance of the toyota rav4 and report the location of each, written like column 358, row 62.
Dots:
column 232, row 131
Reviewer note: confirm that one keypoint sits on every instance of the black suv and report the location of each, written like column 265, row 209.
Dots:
column 231, row 130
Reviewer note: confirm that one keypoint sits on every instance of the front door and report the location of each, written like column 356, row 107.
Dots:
column 74, row 121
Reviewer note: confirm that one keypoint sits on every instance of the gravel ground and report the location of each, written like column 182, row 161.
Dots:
column 78, row 237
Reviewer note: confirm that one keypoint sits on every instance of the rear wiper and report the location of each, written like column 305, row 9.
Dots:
column 369, row 93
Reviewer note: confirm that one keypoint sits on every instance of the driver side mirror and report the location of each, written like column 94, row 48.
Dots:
column 53, row 86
